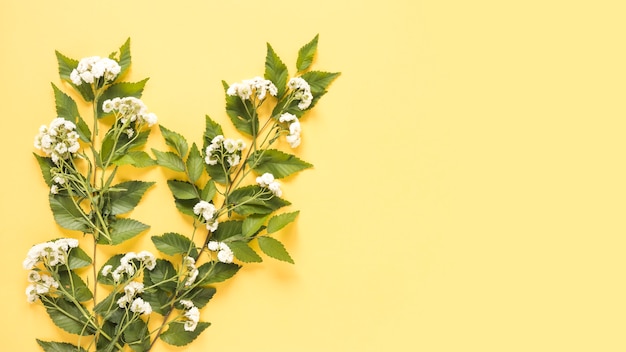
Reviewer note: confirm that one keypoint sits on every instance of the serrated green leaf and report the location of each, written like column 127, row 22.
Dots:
column 51, row 346
column 112, row 151
column 125, row 57
column 66, row 66
column 212, row 129
column 127, row 196
column 213, row 272
column 243, row 201
column 195, row 163
column 125, row 229
column 244, row 252
column 77, row 258
column 66, row 107
column 176, row 334
column 319, row 82
column 208, row 192
column 76, row 287
column 273, row 248
column 159, row 300
column 161, row 276
column 217, row 173
column 175, row 140
column 121, row 90
column 67, row 215
column 252, row 224
column 137, row 336
column 67, row 316
column 173, row 243
column 185, row 206
column 279, row 221
column 306, row 54
column 277, row 163
column 276, row 71
column 200, row 296
column 183, row 189
column 239, row 113
column 45, row 164
column 228, row 229
column 136, row 159
column 169, row 160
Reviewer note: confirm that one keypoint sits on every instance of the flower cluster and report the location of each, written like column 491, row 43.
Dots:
column 137, row 304
column 224, row 149
column 40, row 284
column 128, row 265
column 59, row 139
column 247, row 87
column 267, row 180
column 294, row 128
column 130, row 109
column 208, row 212
column 192, row 315
column 50, row 253
column 192, row 272
column 91, row 69
column 224, row 253
column 302, row 92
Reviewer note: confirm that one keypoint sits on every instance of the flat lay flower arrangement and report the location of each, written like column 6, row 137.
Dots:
column 229, row 188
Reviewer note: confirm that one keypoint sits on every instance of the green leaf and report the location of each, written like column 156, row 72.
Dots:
column 279, row 221
column 127, row 196
column 125, row 229
column 66, row 107
column 66, row 66
column 67, row 215
column 243, row 252
column 213, row 272
column 109, row 309
column 276, row 71
column 176, row 334
column 50, row 346
column 45, row 164
column 77, row 258
column 306, row 54
column 67, row 316
column 200, row 296
column 136, row 159
column 217, row 173
column 273, row 248
column 169, row 160
column 185, row 206
column 159, row 300
column 252, row 224
column 76, row 287
column 176, row 141
column 162, row 276
column 173, row 243
column 239, row 113
column 319, row 82
column 277, row 163
column 182, row 189
column 208, row 192
column 244, row 202
column 123, row 145
column 195, row 163
column 137, row 336
column 211, row 130
column 125, row 57
column 121, row 90
column 228, row 229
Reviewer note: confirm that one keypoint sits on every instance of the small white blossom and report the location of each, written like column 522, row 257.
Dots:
column 224, row 253
column 129, row 109
column 187, row 303
column 302, row 91
column 59, row 140
column 106, row 270
column 193, row 317
column 246, row 88
column 213, row 245
column 204, row 208
column 265, row 179
column 139, row 306
column 92, row 68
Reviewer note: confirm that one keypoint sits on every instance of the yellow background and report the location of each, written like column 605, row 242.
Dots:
column 469, row 184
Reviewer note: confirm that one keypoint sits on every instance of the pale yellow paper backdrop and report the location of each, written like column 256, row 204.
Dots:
column 468, row 191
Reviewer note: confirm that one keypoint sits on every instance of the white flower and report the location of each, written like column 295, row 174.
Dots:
column 212, row 225
column 206, row 209
column 139, row 306
column 275, row 188
column 192, row 316
column 233, row 159
column 133, row 288
column 187, row 303
column 33, row 276
column 293, row 140
column 265, row 179
column 54, row 189
column 286, row 117
column 148, row 259
column 302, row 92
column 213, row 246
column 106, row 270
column 91, row 68
column 246, row 88
column 225, row 255
column 59, row 140
column 31, row 294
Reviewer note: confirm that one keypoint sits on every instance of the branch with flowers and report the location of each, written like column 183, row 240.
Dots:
column 229, row 187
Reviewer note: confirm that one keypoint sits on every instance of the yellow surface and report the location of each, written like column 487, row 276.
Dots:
column 469, row 183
